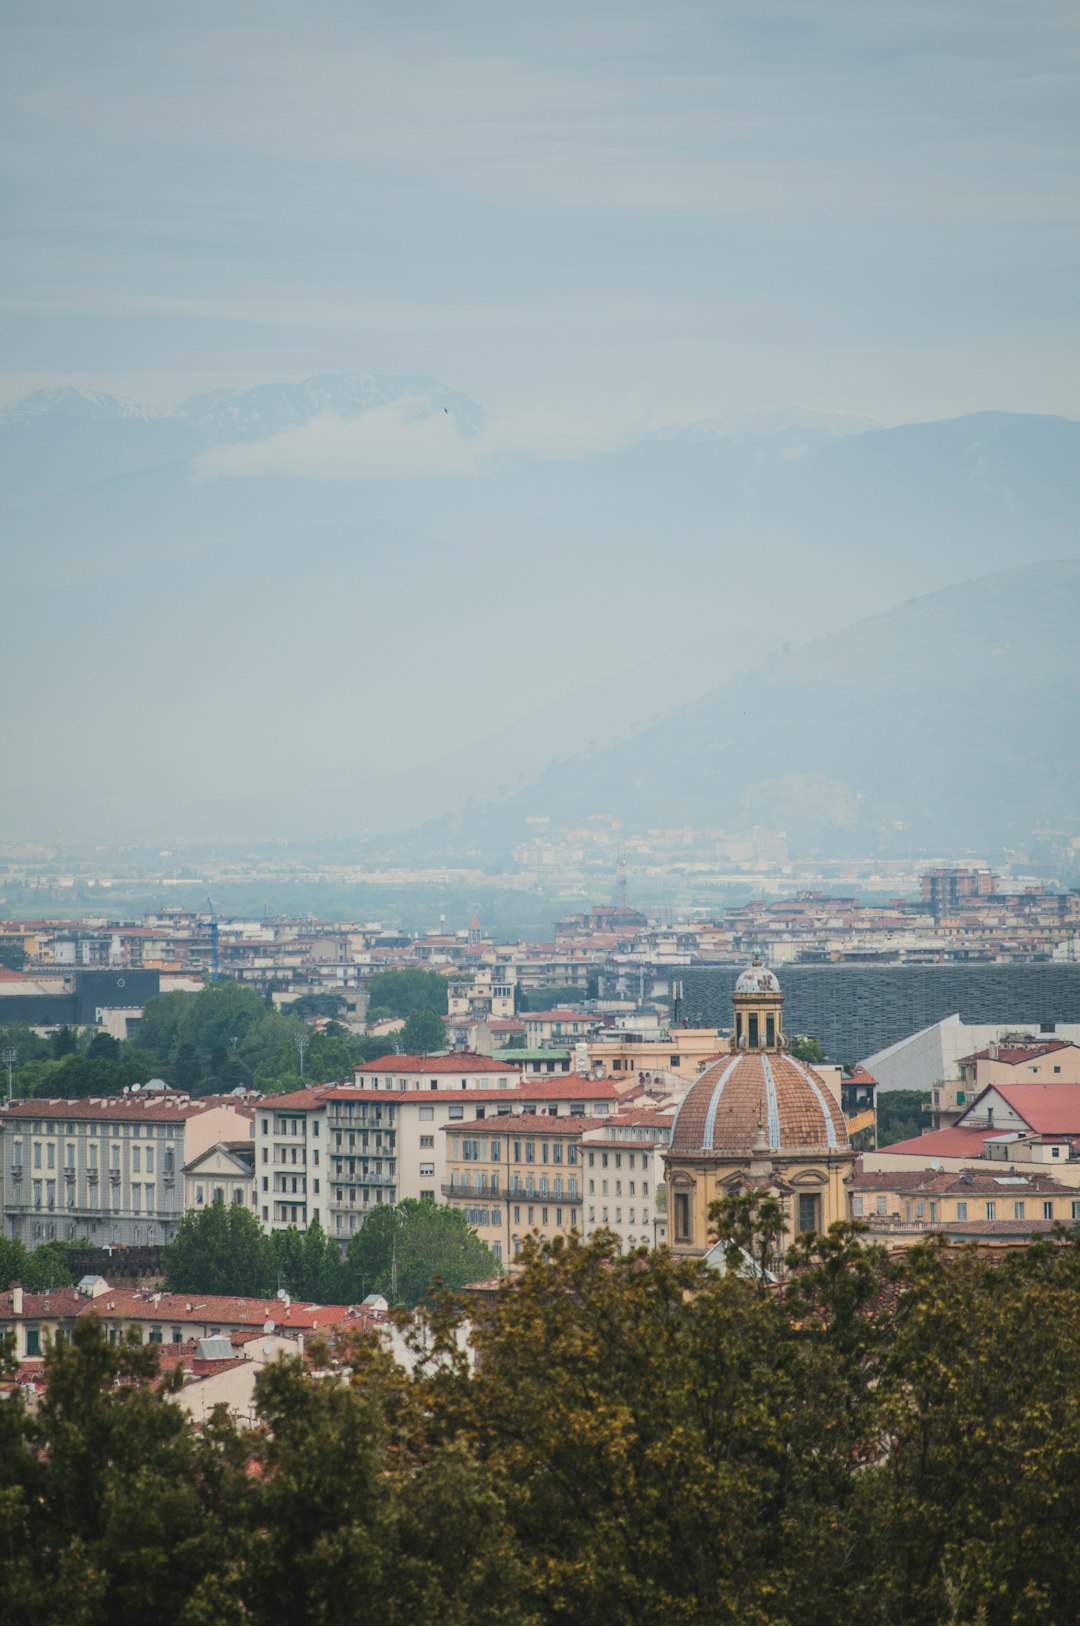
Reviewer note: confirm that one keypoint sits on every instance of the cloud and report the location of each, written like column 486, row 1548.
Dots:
column 393, row 443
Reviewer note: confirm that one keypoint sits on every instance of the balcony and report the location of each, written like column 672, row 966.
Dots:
column 479, row 1186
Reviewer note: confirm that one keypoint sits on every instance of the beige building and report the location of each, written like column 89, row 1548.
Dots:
column 514, row 1175
column 1011, row 1204
column 682, row 1051
column 757, row 1118
column 224, row 1173
column 110, row 1169
column 1016, row 1059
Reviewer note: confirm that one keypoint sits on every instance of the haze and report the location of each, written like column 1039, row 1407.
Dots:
column 599, row 226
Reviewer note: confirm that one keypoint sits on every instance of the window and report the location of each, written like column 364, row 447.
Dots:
column 457, row 1112
column 33, row 1342
column 857, row 1207
column 136, row 1160
column 427, row 1143
column 991, row 1211
column 427, row 1171
column 1018, row 1211
column 1055, row 1151
column 428, row 1113
column 200, row 1196
column 682, row 1216
column 1048, row 1211
column 881, row 1205
column 961, row 1211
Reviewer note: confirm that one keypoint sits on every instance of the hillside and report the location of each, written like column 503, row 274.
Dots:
column 949, row 723
column 415, row 611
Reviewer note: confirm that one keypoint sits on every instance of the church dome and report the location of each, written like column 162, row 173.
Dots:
column 754, row 1093
column 757, row 979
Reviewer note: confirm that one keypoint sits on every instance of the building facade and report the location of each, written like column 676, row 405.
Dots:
column 108, row 1169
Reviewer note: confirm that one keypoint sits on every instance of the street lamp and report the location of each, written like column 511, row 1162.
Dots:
column 9, row 1057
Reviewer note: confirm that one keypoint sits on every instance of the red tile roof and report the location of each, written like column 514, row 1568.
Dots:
column 214, row 1309
column 134, row 1108
column 953, row 1142
column 1015, row 1054
column 519, row 1123
column 461, row 1061
column 298, row 1100
column 1050, row 1109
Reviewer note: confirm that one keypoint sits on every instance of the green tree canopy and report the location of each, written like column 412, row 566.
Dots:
column 400, row 993
column 401, row 1250
column 807, row 1049
column 422, row 1034
column 640, row 1440
column 12, row 954
column 900, row 1115
column 220, row 1249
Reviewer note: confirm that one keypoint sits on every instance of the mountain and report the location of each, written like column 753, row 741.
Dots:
column 949, row 723
column 209, row 639
column 60, row 439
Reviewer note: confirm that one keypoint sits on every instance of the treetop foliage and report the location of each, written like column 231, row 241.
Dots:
column 400, row 993
column 399, row 1251
column 640, row 1441
column 205, row 1043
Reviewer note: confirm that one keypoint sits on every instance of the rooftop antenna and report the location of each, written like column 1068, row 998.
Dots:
column 621, row 876
column 215, row 967
column 9, row 1056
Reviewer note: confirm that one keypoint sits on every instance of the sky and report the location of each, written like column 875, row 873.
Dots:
column 696, row 207
column 593, row 221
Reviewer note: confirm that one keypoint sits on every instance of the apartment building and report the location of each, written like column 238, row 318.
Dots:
column 967, row 1204
column 290, row 1135
column 515, row 1174
column 351, row 1149
column 107, row 1168
column 623, row 1176
column 460, row 1071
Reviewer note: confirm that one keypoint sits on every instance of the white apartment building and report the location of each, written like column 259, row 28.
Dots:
column 459, row 1071
column 290, row 1134
column 107, row 1168
column 623, row 1178
column 350, row 1149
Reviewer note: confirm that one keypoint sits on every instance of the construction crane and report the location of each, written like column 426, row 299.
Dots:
column 215, row 965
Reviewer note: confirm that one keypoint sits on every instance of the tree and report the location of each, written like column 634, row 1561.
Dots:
column 309, row 1005
column 62, row 1043
column 113, row 1504
column 551, row 999
column 400, row 993
column 423, row 1032
column 401, row 1250
column 220, row 1249
column 12, row 954
column 900, row 1115
column 807, row 1050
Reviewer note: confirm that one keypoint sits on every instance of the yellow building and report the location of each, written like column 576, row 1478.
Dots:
column 759, row 1117
column 514, row 1175
column 682, row 1051
column 1005, row 1204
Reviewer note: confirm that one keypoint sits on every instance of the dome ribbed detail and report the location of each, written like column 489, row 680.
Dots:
column 736, row 1095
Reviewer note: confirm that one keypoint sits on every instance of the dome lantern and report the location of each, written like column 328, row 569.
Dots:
column 758, row 1006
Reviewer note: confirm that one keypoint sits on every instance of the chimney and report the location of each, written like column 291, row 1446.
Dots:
column 16, row 1300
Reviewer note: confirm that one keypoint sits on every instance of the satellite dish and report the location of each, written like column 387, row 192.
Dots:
column 135, row 1088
